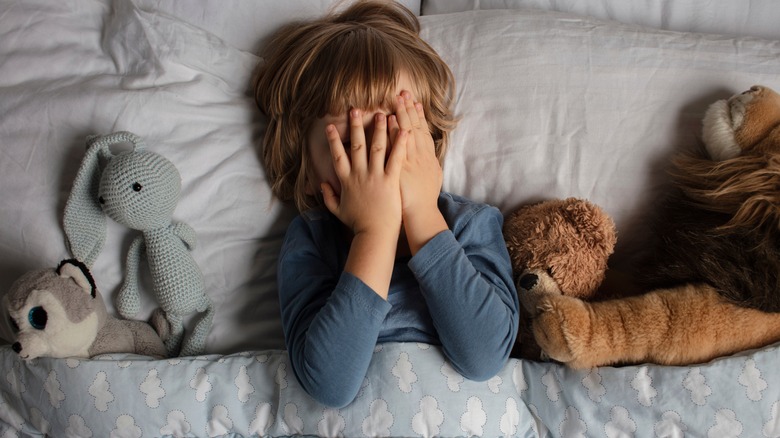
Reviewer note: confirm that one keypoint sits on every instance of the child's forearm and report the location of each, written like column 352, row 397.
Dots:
column 466, row 280
column 371, row 258
column 422, row 226
column 472, row 309
column 331, row 337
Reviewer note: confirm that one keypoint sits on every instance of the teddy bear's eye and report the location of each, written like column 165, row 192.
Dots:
column 137, row 187
column 14, row 325
column 38, row 318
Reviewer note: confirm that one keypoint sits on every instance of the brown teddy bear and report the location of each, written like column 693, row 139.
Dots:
column 556, row 247
column 715, row 275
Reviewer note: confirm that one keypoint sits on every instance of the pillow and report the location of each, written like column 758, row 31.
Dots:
column 247, row 24
column 557, row 105
column 756, row 18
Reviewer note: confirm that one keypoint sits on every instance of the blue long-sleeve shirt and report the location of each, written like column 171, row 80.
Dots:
column 457, row 292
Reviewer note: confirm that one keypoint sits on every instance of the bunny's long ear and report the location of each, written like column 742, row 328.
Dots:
column 84, row 221
column 121, row 137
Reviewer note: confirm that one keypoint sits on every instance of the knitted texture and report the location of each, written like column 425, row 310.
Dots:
column 140, row 189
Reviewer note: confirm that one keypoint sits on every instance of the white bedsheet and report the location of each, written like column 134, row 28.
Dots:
column 757, row 18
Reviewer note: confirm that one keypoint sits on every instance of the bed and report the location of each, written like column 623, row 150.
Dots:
column 556, row 99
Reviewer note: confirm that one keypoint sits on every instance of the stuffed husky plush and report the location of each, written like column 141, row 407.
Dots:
column 59, row 313
column 715, row 280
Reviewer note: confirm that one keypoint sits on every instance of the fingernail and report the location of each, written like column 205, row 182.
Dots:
column 355, row 113
column 330, row 128
column 380, row 117
column 418, row 105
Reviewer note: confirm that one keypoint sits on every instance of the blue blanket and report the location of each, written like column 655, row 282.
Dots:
column 410, row 391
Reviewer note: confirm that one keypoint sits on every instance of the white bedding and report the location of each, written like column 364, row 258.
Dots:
column 757, row 18
column 552, row 105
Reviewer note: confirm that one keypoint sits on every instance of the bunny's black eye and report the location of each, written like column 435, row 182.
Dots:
column 137, row 187
column 14, row 325
column 38, row 318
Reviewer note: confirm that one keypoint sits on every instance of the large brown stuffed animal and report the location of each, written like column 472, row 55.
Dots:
column 716, row 272
column 556, row 247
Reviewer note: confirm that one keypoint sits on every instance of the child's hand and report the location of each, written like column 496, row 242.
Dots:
column 421, row 178
column 370, row 198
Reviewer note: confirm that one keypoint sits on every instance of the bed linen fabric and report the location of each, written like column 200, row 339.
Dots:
column 418, row 394
column 551, row 105
column 756, row 18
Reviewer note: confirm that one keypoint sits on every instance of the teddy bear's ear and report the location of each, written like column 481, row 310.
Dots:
column 592, row 223
column 78, row 272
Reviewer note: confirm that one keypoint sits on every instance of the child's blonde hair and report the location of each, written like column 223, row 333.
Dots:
column 349, row 59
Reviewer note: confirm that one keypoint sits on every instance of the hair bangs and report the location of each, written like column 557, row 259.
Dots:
column 363, row 73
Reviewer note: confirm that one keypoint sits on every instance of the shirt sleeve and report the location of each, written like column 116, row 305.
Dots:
column 466, row 279
column 331, row 319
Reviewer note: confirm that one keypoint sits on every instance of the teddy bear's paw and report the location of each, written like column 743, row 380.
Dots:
column 562, row 330
column 532, row 286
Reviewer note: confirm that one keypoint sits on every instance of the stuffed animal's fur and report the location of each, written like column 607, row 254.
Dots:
column 59, row 313
column 717, row 267
column 556, row 247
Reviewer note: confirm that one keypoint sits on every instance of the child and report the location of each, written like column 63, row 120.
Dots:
column 359, row 111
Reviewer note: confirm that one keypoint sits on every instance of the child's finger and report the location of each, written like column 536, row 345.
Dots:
column 357, row 136
column 421, row 115
column 421, row 132
column 378, row 143
column 340, row 160
column 392, row 127
column 329, row 198
column 404, row 123
column 398, row 153
column 411, row 111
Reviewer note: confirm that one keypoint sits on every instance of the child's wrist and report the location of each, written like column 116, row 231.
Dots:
column 422, row 226
column 378, row 232
column 371, row 257
column 420, row 212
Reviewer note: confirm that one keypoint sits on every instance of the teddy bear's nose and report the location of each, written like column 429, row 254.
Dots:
column 101, row 200
column 17, row 347
column 528, row 281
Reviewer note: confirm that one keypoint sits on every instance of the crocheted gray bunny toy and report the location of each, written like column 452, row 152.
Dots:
column 140, row 189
